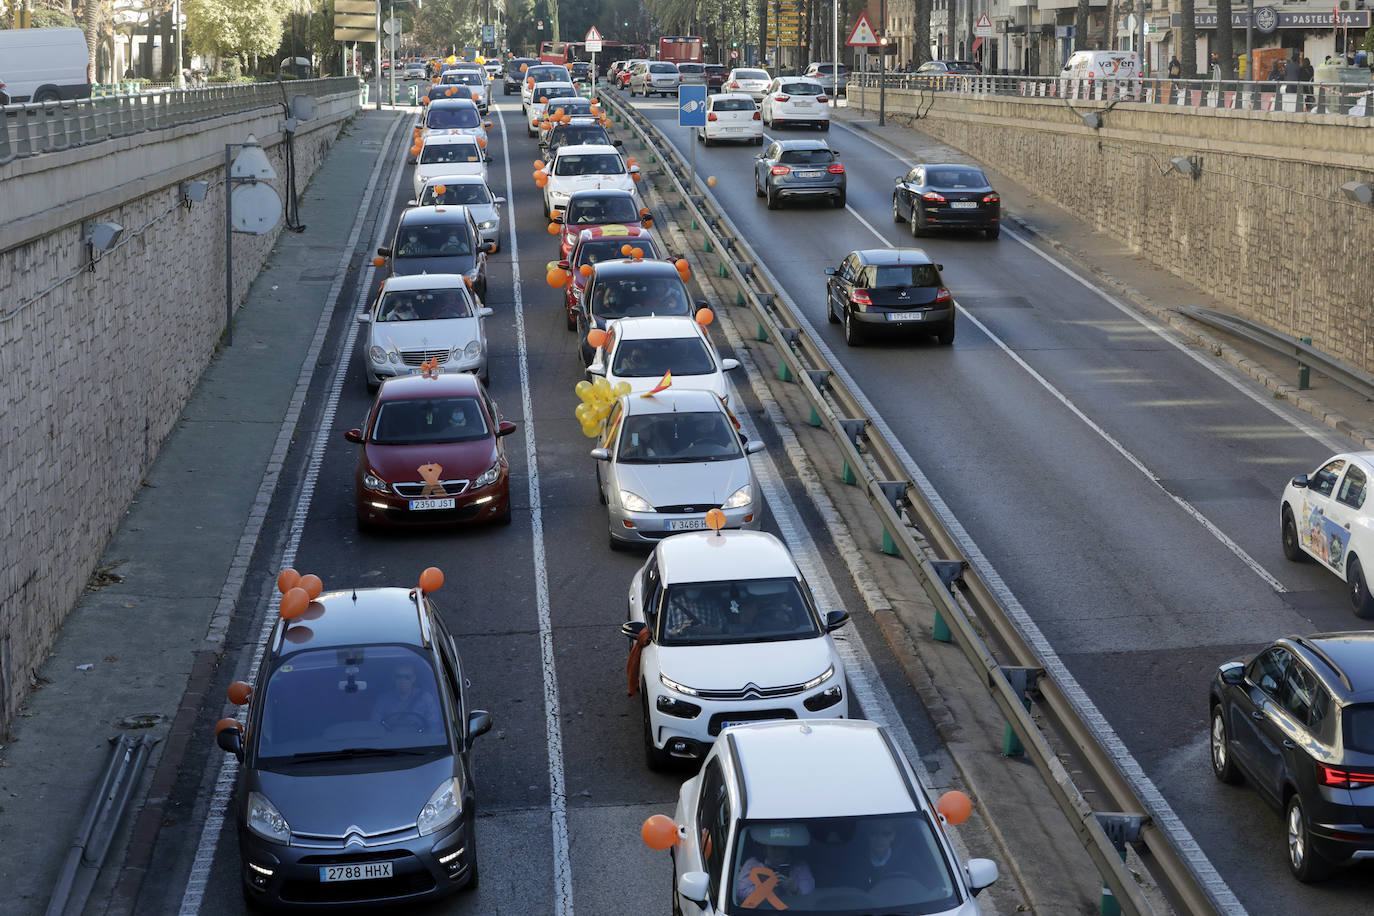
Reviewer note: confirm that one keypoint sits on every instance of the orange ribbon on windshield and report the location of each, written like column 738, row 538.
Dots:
column 765, row 879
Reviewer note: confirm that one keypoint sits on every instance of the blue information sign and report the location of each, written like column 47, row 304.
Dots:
column 691, row 106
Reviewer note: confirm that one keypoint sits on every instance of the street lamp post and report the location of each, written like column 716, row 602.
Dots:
column 777, row 35
column 176, row 17
column 882, row 80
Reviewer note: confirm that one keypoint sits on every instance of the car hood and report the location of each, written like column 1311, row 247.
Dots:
column 763, row 664
column 572, row 183
column 325, row 805
column 445, row 264
column 439, row 334
column 706, row 484
column 459, row 460
column 482, row 212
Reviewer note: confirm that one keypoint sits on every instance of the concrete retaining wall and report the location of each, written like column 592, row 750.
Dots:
column 1265, row 226
column 94, row 374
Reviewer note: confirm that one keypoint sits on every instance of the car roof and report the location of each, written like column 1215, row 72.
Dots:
column 886, row 256
column 740, row 96
column 650, row 327
column 725, row 556
column 449, row 139
column 454, row 179
column 581, row 148
column 425, row 281
column 451, row 102
column 949, row 165
column 445, row 384
column 356, row 617
column 630, row 232
column 673, row 400
column 435, row 215
column 1350, row 657
column 776, row 788
column 798, row 79
column 628, row 267
column 803, row 144
column 601, row 192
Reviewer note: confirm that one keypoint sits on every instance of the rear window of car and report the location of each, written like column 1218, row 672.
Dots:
column 751, row 75
column 594, row 251
column 806, row 156
column 690, row 68
column 662, row 68
column 445, row 118
column 590, row 211
column 571, row 106
column 450, row 152
column 466, row 192
column 578, row 136
column 801, row 88
column 887, row 276
column 956, row 178
column 733, row 105
column 433, row 241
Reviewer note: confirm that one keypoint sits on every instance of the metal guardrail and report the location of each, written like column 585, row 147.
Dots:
column 909, row 519
column 1355, row 99
column 34, row 128
column 1304, row 353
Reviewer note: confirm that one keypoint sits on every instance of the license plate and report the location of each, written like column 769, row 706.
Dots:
column 810, row 173
column 363, row 871
column 905, row 316
column 686, row 524
column 746, row 722
column 964, row 205
column 803, row 104
column 420, row 505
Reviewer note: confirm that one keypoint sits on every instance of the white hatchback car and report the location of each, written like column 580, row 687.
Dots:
column 750, row 80
column 796, row 100
column 1326, row 516
column 759, row 833
column 731, row 116
column 579, row 168
column 448, row 155
column 639, row 351
column 733, row 635
column 420, row 317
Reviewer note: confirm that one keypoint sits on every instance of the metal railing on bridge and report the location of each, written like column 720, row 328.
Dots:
column 45, row 127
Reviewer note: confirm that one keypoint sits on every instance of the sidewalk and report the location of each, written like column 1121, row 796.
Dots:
column 150, row 628
column 1131, row 278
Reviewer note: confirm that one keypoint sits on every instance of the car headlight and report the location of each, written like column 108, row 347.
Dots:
column 443, row 806
column 674, row 685
column 473, row 349
column 820, row 679
column 487, row 224
column 633, row 502
column 373, row 482
column 381, row 356
column 739, row 499
column 265, row 820
column 488, row 477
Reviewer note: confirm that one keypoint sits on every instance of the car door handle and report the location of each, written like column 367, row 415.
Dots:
column 1256, row 714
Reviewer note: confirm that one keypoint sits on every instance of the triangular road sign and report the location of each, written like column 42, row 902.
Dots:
column 862, row 36
column 983, row 22
column 593, row 34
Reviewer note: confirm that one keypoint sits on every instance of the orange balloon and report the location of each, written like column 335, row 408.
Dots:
column 450, row 91
column 710, row 181
column 482, row 142
column 556, row 277
column 432, row 579
column 955, row 807
column 659, row 832
column 239, row 692
column 637, row 252
column 705, row 317
column 294, row 603
column 486, row 125
column 539, row 163
column 287, row 579
column 585, row 270
column 524, row 67
column 625, row 250
column 537, row 174
column 312, row 585
column 379, row 261
column 543, row 100
column 224, row 723
column 441, row 189
column 542, row 180
column 476, row 97
column 558, row 113
column 630, row 160
column 596, row 337
column 681, row 265
column 715, row 519
column 635, row 176
column 553, row 228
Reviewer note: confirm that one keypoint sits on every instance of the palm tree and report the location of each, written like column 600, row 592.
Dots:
column 1188, row 38
column 1224, row 39
column 1080, row 25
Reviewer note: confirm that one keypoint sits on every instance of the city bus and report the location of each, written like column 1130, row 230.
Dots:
column 680, row 49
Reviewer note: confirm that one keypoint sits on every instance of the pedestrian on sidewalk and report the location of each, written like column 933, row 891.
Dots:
column 1175, row 71
column 1306, row 74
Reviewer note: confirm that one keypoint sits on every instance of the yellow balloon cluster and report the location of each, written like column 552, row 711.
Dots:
column 596, row 399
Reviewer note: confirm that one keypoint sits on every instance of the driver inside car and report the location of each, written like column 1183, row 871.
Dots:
column 406, row 707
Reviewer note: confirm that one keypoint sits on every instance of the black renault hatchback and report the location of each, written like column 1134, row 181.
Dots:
column 1296, row 720
column 887, row 291
column 355, row 784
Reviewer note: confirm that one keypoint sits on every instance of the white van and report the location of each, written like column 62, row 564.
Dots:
column 44, row 65
column 1102, row 65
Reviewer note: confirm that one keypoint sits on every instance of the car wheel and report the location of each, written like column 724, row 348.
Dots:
column 852, row 334
column 658, row 760
column 772, row 200
column 992, row 232
column 946, row 337
column 572, row 321
column 708, row 141
column 1292, row 548
column 839, row 201
column 1305, row 862
column 1223, row 767
column 896, row 210
column 758, row 192
column 917, row 230
column 700, row 136
column 1360, row 598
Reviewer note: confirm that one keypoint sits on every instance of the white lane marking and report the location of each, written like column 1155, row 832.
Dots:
column 869, row 226
column 194, row 895
column 558, row 800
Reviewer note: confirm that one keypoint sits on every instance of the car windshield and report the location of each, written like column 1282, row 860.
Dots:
column 423, row 305
column 806, row 156
column 350, row 703
column 905, row 275
column 801, row 88
column 751, row 75
column 547, row 74
column 450, row 152
column 876, row 863
column 578, row 135
column 689, row 68
column 446, row 118
column 608, row 248
column 639, row 297
column 432, row 242
column 745, row 104
column 469, row 193
column 589, row 164
column 426, row 421
column 723, row 613
column 678, row 438
column 652, row 357
column 585, row 211
column 552, row 91
column 956, row 178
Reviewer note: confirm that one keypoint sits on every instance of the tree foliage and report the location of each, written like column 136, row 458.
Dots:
column 229, row 28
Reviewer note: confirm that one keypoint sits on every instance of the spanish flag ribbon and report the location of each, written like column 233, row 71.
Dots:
column 662, row 384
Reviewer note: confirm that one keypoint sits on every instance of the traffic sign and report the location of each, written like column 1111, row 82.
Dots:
column 862, row 36
column 393, row 42
column 734, row 54
column 593, row 41
column 691, row 106
column 391, row 26
column 983, row 27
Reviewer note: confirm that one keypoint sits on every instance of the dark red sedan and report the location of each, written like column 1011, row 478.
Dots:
column 596, row 207
column 432, row 454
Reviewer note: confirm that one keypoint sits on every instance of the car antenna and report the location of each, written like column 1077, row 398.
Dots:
column 355, row 594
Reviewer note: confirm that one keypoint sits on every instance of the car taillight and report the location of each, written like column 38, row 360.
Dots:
column 837, row 169
column 821, row 98
column 758, row 116
column 779, row 170
column 942, row 296
column 781, row 98
column 734, row 84
column 991, row 199
column 712, row 117
column 932, row 196
column 860, row 296
column 1337, row 778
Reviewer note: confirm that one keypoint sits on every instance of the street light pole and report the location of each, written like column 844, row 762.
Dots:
column 882, row 81
column 1250, row 39
column 176, row 16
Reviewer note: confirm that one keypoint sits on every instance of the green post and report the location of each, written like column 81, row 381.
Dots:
column 784, row 373
column 1011, row 744
column 940, row 631
column 722, row 271
column 815, row 417
column 739, row 297
column 706, row 245
column 847, row 474
column 761, row 333
column 694, row 223
column 889, row 545
column 1110, row 905
column 1304, row 373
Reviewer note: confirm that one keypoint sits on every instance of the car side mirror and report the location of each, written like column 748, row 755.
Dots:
column 981, row 873
column 354, row 435
column 939, row 267
column 1232, row 673
column 752, row 447
column 596, row 369
column 500, row 200
column 489, row 247
column 364, row 318
column 601, row 454
column 565, row 265
column 556, row 219
column 230, row 740
column 479, row 723
column 700, row 303
column 412, row 203
column 617, row 143
column 728, row 363
column 631, row 629
column 384, row 252
column 835, row 619
column 695, row 886
column 1300, row 481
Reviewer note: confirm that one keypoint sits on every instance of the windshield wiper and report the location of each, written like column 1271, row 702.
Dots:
column 350, row 753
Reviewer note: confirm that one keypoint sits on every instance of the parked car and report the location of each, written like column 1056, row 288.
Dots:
column 466, row 191
column 825, row 72
column 663, row 461
column 515, row 74
column 355, row 777
column 438, row 240
column 1295, row 720
column 748, row 79
column 955, row 67
column 421, row 317
column 630, row 288
column 731, row 116
column 795, row 100
column 596, row 207
column 887, row 290
column 799, row 169
column 579, row 168
column 597, row 244
column 448, row 154
column 1323, row 517
column 654, row 77
column 734, row 635
column 947, row 196
column 639, row 351
column 751, row 796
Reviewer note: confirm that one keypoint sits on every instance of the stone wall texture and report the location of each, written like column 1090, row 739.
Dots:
column 1265, row 226
column 94, row 373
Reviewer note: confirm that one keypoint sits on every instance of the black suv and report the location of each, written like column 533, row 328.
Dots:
column 889, row 290
column 629, row 288
column 1297, row 721
column 514, row 75
column 355, row 784
column 439, row 240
